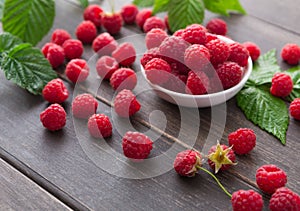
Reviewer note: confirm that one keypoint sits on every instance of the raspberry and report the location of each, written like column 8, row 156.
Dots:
column 173, row 48
column 238, row 54
column 221, row 157
column 291, row 53
column 153, row 23
column 126, row 103
column 179, row 68
column 84, row 105
column 243, row 200
column 59, row 36
column 77, row 70
column 282, row 85
column 178, row 33
column 158, row 71
column 54, row 53
column 253, row 50
column 219, row 51
column 215, row 83
column 86, row 32
column 166, row 20
column 210, row 37
column 142, row 16
column 295, row 108
column 230, row 74
column 93, row 13
column 73, row 49
column 176, row 83
column 270, row 177
column 217, row 26
column 104, row 44
column 129, row 13
column 155, row 37
column 123, row 78
column 112, row 22
column 242, row 141
column 197, row 83
column 194, row 34
column 125, row 54
column 106, row 66
column 150, row 54
column 136, row 145
column 55, row 91
column 187, row 163
column 54, row 117
column 99, row 126
column 284, row 199
column 196, row 57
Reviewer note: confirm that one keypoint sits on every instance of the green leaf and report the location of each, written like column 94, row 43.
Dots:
column 1, row 8
column 160, row 6
column 24, row 65
column 294, row 72
column 84, row 3
column 185, row 12
column 263, row 109
column 224, row 7
column 143, row 3
column 30, row 20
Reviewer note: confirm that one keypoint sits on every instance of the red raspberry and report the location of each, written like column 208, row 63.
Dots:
column 178, row 33
column 73, row 49
column 282, row 85
column 59, row 36
column 230, row 74
column 136, row 145
column 242, row 141
column 126, row 103
column 253, row 50
column 220, row 157
column 166, row 19
column 54, row 117
column 153, row 23
column 291, row 53
column 55, row 91
column 295, row 108
column 112, row 22
column 158, row 71
column 215, row 83
column 142, row 16
column 210, row 37
column 217, row 26
column 155, row 37
column 196, row 57
column 176, row 83
column 123, row 78
column 77, row 70
column 238, row 54
column 150, row 54
column 84, row 105
column 219, row 51
column 86, row 32
column 194, row 34
column 187, row 163
column 180, row 68
column 54, row 53
column 99, row 126
column 129, row 13
column 246, row 200
column 125, row 54
column 197, row 83
column 93, row 13
column 270, row 177
column 106, row 66
column 104, row 44
column 284, row 199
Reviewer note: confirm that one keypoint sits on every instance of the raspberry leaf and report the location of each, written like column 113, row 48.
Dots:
column 84, row 3
column 143, row 3
column 160, row 6
column 185, row 12
column 1, row 8
column 263, row 109
column 29, row 20
column 294, row 72
column 224, row 7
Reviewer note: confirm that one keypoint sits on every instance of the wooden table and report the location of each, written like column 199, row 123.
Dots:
column 43, row 170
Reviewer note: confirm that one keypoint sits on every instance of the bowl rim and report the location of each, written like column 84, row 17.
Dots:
column 246, row 74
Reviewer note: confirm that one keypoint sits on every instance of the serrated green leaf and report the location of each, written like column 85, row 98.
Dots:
column 84, row 3
column 224, row 7
column 294, row 72
column 160, row 6
column 1, row 8
column 30, row 20
column 7, row 41
column 263, row 109
column 185, row 12
column 143, row 3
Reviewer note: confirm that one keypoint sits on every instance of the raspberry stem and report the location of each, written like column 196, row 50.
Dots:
column 219, row 183
column 112, row 5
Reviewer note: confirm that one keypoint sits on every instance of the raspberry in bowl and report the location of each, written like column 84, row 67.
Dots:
column 221, row 75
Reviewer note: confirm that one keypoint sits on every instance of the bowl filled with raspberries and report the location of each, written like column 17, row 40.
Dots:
column 194, row 68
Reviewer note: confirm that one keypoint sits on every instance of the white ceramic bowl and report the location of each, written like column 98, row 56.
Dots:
column 206, row 100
